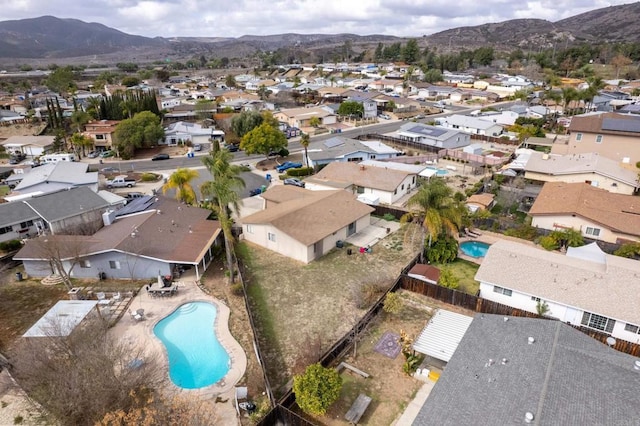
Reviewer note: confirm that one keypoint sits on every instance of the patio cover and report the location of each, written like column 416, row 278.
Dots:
column 442, row 334
column 61, row 319
column 591, row 252
column 428, row 173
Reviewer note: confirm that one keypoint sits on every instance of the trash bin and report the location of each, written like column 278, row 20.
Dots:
column 339, row 243
column 349, row 251
column 263, row 188
column 18, row 276
column 268, row 177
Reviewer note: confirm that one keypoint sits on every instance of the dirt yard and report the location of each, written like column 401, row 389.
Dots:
column 302, row 309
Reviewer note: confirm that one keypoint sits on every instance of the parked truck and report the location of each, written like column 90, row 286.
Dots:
column 121, row 181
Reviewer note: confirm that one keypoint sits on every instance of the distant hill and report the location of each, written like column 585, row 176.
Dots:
column 51, row 37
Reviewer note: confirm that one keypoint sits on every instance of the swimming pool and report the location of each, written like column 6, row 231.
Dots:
column 474, row 248
column 196, row 357
column 439, row 172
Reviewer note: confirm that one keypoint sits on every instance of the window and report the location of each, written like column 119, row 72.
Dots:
column 598, row 138
column 402, row 186
column 592, row 231
column 632, row 328
column 6, row 229
column 578, row 137
column 360, row 189
column 26, row 224
column 250, row 229
column 271, row 237
column 372, row 157
column 84, row 264
column 501, row 290
column 100, row 137
column 598, row 322
column 114, row 264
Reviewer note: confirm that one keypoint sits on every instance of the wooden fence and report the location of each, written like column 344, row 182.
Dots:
column 383, row 210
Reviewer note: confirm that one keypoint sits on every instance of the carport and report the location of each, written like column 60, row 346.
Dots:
column 440, row 337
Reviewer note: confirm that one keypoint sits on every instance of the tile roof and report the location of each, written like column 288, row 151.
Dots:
column 567, row 280
column 617, row 212
column 563, row 378
column 310, row 216
column 556, row 165
column 366, row 177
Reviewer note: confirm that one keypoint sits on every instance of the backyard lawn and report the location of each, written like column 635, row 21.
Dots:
column 465, row 271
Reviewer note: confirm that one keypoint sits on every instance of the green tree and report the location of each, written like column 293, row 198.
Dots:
column 263, row 92
column 483, row 55
column 447, row 279
column 317, row 388
column 204, row 108
column 230, row 81
column 432, row 75
column 314, row 122
column 180, row 181
column 304, row 142
column 542, row 308
column 80, row 143
column 141, row 131
column 78, row 119
column 435, row 206
column 411, row 51
column 263, row 140
column 130, row 81
column 351, row 108
column 443, row 250
column 61, row 80
column 245, row 122
column 221, row 196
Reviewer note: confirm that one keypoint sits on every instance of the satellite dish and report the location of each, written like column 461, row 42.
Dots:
column 611, row 341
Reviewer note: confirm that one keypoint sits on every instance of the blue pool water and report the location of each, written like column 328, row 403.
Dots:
column 474, row 248
column 439, row 172
column 196, row 358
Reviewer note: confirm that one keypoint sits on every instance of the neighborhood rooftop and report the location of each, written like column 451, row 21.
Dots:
column 356, row 174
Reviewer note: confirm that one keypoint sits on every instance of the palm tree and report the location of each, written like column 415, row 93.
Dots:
column 304, row 141
column 436, row 208
column 180, row 180
column 222, row 196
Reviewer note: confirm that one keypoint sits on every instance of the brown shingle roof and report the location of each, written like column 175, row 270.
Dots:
column 593, row 123
column 367, row 177
column 430, row 272
column 311, row 218
column 615, row 211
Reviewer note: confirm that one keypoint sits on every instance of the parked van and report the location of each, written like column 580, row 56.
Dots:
column 54, row 158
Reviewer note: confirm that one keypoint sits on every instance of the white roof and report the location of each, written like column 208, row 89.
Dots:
column 591, row 252
column 61, row 319
column 404, row 167
column 379, row 147
column 428, row 172
column 442, row 334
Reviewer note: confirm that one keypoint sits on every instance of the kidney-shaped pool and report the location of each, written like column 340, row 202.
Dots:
column 196, row 357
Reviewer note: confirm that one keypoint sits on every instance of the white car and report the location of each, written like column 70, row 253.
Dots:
column 385, row 116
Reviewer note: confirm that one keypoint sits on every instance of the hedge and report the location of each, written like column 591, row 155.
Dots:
column 302, row 171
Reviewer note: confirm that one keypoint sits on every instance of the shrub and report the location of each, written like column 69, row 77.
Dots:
column 317, row 388
column 443, row 250
column 389, row 217
column 548, row 243
column 236, row 289
column 366, row 293
column 447, row 279
column 149, row 177
column 392, row 303
column 301, row 171
column 629, row 250
column 10, row 245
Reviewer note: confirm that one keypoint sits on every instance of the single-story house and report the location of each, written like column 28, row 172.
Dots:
column 591, row 168
column 32, row 146
column 183, row 132
column 301, row 117
column 598, row 214
column 484, row 201
column 472, row 125
column 432, row 136
column 162, row 235
column 372, row 184
column 305, row 225
column 53, row 177
column 17, row 221
column 581, row 287
column 343, row 149
column 514, row 370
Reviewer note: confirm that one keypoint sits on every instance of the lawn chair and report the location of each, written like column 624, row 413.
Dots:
column 102, row 299
column 116, row 297
column 137, row 315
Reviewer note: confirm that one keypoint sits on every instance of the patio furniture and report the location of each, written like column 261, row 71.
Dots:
column 102, row 299
column 137, row 315
column 116, row 297
column 358, row 408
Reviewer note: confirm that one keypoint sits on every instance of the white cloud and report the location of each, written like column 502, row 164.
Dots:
column 209, row 18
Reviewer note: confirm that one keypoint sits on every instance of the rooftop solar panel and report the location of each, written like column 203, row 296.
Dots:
column 621, row 125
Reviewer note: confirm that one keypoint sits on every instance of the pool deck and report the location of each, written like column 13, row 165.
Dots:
column 139, row 334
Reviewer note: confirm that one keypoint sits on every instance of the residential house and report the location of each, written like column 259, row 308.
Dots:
column 432, row 136
column 32, row 146
column 17, row 221
column 591, row 168
column 182, row 132
column 155, row 240
column 483, row 201
column 52, row 177
column 515, row 370
column 301, row 117
column 370, row 106
column 373, row 185
column 472, row 125
column 101, row 132
column 598, row 214
column 611, row 135
column 339, row 148
column 305, row 225
column 581, row 287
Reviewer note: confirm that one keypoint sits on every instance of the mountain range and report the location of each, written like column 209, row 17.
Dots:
column 48, row 37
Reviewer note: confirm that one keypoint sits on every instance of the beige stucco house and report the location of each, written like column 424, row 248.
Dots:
column 611, row 135
column 596, row 213
column 101, row 132
column 591, row 168
column 305, row 225
column 301, row 117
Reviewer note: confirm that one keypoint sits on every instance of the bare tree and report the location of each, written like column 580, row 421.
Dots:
column 80, row 378
column 64, row 253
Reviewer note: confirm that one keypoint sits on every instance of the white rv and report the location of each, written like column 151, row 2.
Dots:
column 54, row 158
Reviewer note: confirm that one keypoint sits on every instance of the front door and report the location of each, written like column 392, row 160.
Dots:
column 351, row 229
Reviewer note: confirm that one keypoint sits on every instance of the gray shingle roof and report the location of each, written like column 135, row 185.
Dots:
column 563, row 378
column 15, row 212
column 71, row 202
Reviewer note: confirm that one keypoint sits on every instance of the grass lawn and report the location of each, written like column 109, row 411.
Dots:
column 4, row 190
column 301, row 310
column 464, row 271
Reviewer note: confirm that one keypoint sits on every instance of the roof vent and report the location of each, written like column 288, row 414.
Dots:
column 158, row 211
column 505, row 319
column 530, row 340
column 636, row 365
column 545, row 156
column 504, row 361
column 528, row 417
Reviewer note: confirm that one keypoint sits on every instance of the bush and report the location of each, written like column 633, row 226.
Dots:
column 392, row 303
column 447, row 279
column 302, row 171
column 630, row 250
column 364, row 295
column 10, row 245
column 389, row 217
column 236, row 289
column 317, row 388
column 443, row 250
column 525, row 232
column 548, row 243
column 149, row 177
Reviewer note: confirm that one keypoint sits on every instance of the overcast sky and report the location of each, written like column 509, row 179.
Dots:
column 233, row 18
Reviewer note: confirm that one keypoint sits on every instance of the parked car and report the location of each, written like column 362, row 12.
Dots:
column 232, row 148
column 107, row 154
column 255, row 192
column 197, row 147
column 16, row 158
column 288, row 165
column 385, row 116
column 294, row 181
column 159, row 157
column 419, row 116
column 121, row 181
column 109, row 170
